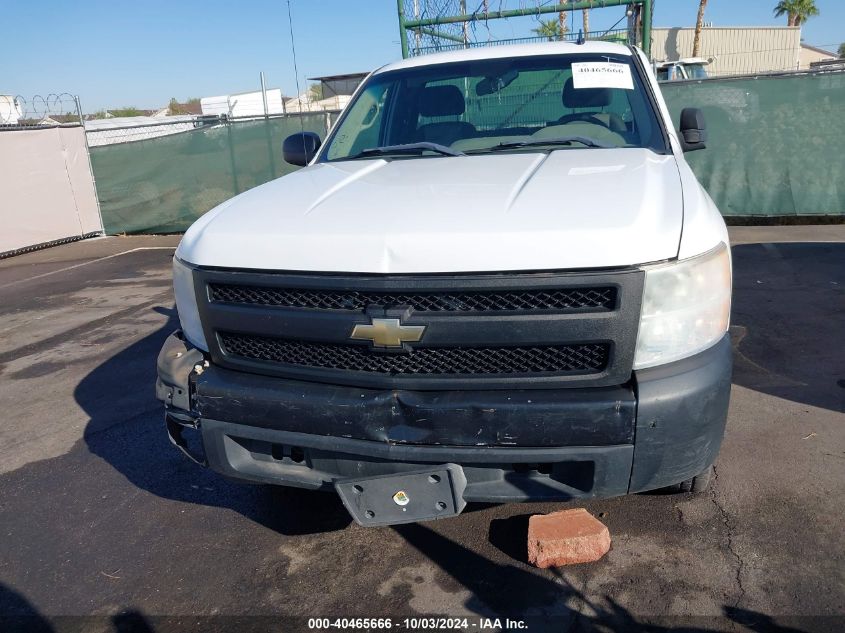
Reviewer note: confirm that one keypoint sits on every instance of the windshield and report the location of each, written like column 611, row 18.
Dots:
column 501, row 104
column 696, row 71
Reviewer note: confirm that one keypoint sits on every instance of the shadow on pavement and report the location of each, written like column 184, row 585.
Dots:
column 509, row 536
column 132, row 622
column 126, row 429
column 17, row 614
column 552, row 603
column 498, row 590
column 788, row 321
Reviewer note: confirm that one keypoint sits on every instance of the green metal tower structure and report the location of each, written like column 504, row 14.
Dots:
column 433, row 27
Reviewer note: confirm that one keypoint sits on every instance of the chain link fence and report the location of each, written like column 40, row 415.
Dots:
column 159, row 178
column 775, row 142
column 112, row 131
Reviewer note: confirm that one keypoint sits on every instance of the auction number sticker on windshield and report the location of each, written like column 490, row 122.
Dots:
column 602, row 75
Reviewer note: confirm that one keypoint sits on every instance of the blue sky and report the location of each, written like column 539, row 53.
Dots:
column 113, row 53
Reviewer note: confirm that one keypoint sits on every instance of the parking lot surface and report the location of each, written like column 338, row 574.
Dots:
column 100, row 516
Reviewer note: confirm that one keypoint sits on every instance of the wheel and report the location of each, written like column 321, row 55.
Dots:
column 698, row 484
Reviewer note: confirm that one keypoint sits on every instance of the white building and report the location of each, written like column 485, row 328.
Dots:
column 11, row 110
column 810, row 55
column 244, row 104
column 739, row 50
column 306, row 103
column 111, row 130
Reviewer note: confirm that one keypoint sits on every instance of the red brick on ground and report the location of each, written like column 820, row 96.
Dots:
column 565, row 538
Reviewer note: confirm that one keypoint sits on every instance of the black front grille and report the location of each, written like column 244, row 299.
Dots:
column 480, row 361
column 519, row 330
column 559, row 299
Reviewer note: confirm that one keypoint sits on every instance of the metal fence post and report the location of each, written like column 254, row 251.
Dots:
column 90, row 164
column 403, row 34
column 264, row 93
column 271, row 154
column 647, row 16
column 232, row 156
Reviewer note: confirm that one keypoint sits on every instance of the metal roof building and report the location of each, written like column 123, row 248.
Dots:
column 738, row 50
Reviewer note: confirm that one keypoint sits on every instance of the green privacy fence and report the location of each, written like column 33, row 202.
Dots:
column 163, row 184
column 776, row 148
column 776, row 143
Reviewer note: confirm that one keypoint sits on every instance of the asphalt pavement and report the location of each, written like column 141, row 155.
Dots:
column 105, row 526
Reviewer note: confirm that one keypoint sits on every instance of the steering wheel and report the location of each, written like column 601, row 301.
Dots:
column 587, row 117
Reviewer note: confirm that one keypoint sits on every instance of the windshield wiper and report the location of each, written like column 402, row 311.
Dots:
column 407, row 148
column 561, row 140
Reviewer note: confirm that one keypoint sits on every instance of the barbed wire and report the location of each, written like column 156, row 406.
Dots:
column 54, row 109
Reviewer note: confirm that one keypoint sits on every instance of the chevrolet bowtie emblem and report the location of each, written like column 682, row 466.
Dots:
column 387, row 333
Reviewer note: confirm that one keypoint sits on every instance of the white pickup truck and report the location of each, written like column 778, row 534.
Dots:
column 497, row 279
column 680, row 69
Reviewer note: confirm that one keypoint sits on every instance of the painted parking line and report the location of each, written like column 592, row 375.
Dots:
column 88, row 263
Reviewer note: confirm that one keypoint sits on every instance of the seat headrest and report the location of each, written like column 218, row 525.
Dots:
column 585, row 97
column 441, row 101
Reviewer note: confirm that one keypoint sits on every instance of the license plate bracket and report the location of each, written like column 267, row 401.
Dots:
column 406, row 497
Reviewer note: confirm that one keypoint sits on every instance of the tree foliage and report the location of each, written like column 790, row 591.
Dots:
column 127, row 111
column 315, row 92
column 175, row 107
column 796, row 11
column 550, row 29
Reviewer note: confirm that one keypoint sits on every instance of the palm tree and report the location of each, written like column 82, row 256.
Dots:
column 699, row 24
column 550, row 29
column 561, row 18
column 796, row 11
column 585, row 16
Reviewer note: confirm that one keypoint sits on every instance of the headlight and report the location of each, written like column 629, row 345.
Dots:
column 186, row 304
column 686, row 308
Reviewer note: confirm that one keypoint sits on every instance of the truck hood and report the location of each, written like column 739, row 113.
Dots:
column 566, row 209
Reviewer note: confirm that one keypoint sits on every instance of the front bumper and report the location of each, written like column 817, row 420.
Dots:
column 663, row 427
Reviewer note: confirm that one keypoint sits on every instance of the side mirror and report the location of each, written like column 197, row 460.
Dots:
column 300, row 148
column 693, row 129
